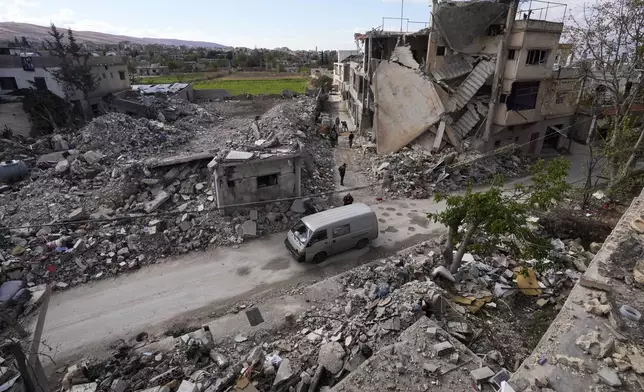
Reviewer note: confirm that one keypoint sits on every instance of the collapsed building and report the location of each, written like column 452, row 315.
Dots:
column 484, row 75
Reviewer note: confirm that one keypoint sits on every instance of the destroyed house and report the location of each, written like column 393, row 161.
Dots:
column 24, row 72
column 486, row 74
column 245, row 177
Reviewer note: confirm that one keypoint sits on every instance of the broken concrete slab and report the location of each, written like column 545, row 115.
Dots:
column 187, row 386
column 482, row 374
column 298, row 206
column 160, row 198
column 397, row 122
column 403, row 56
column 592, row 344
column 443, row 273
column 89, row 387
column 239, row 156
column 284, row 372
column 93, row 157
column 77, row 214
column 62, row 166
column 444, row 348
column 331, row 357
column 609, row 377
column 177, row 160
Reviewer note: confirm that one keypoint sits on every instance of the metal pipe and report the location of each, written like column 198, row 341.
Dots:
column 402, row 5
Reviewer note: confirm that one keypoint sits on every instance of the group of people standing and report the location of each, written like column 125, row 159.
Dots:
column 335, row 131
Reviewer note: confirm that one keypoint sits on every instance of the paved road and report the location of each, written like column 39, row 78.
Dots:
column 86, row 317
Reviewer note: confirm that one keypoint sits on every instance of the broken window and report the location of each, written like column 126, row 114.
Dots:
column 318, row 236
column 537, row 57
column 511, row 54
column 493, row 30
column 440, row 51
column 341, row 231
column 523, row 96
column 122, row 75
column 265, row 181
column 40, row 83
column 96, row 110
column 7, row 83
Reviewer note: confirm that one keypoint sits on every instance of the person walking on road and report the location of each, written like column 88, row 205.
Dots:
column 351, row 139
column 342, row 169
column 337, row 123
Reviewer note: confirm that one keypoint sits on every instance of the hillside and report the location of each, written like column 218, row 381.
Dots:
column 9, row 30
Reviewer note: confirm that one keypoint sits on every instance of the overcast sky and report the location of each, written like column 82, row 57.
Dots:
column 297, row 24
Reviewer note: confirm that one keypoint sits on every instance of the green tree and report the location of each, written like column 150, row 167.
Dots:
column 323, row 82
column 609, row 36
column 498, row 213
column 74, row 73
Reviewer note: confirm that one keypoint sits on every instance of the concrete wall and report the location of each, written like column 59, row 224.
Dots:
column 343, row 54
column 23, row 79
column 238, row 184
column 14, row 117
column 211, row 94
column 530, row 137
column 406, row 106
column 110, row 80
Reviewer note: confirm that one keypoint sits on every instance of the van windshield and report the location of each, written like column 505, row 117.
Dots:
column 301, row 232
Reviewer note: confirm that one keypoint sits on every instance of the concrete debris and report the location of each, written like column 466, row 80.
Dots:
column 443, row 273
column 331, row 357
column 284, row 372
column 610, row 377
column 482, row 374
column 592, row 344
column 414, row 174
column 124, row 167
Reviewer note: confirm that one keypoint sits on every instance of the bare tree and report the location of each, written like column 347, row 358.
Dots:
column 75, row 72
column 608, row 37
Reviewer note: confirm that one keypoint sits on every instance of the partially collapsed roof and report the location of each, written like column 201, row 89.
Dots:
column 461, row 22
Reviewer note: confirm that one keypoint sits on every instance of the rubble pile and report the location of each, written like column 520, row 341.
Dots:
column 319, row 347
column 114, row 134
column 417, row 174
column 102, row 204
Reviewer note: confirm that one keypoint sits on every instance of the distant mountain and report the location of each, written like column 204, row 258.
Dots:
column 9, row 30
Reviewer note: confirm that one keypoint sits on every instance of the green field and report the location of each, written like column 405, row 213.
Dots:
column 185, row 78
column 256, row 86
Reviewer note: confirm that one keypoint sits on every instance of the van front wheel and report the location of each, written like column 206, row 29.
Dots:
column 319, row 257
column 362, row 243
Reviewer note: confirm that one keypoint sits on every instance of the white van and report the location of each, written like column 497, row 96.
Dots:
column 320, row 235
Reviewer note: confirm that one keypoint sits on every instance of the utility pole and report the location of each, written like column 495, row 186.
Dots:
column 499, row 71
column 402, row 6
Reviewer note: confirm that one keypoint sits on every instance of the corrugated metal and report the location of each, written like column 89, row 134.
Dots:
column 472, row 83
column 159, row 88
column 453, row 69
column 467, row 121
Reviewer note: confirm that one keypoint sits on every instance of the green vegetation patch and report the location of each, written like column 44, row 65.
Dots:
column 256, row 86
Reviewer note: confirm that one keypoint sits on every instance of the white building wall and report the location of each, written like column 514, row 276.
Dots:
column 23, row 79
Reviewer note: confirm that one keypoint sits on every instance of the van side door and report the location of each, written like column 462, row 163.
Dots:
column 319, row 242
column 341, row 238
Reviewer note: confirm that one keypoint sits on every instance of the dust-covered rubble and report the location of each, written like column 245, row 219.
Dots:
column 101, row 206
column 320, row 347
column 414, row 173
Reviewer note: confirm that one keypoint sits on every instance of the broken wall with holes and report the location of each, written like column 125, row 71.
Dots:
column 257, row 180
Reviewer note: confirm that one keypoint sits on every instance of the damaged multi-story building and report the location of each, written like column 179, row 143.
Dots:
column 486, row 74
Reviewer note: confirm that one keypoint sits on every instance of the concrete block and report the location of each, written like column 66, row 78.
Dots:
column 187, row 386
column 444, row 348
column 89, row 387
column 249, row 228
column 284, row 372
column 298, row 206
column 253, row 215
column 481, row 374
